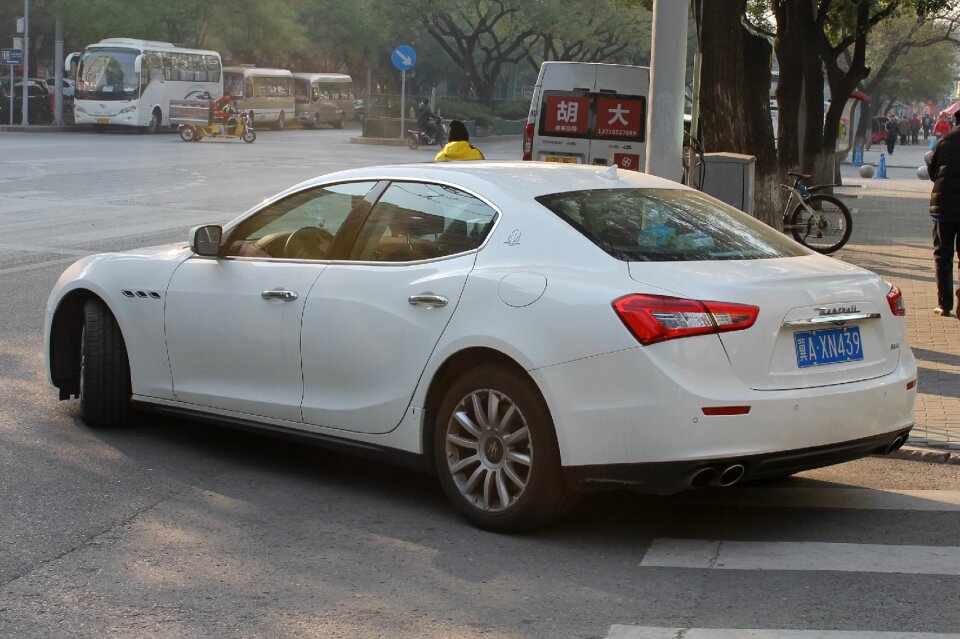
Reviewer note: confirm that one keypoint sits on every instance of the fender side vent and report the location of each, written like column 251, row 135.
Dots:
column 141, row 294
column 128, row 293
column 155, row 295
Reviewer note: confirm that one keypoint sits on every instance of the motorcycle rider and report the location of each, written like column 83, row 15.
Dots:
column 224, row 111
column 425, row 121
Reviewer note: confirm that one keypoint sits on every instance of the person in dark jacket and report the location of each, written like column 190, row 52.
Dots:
column 944, row 171
column 893, row 130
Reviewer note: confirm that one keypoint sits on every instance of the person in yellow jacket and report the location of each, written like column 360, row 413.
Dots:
column 459, row 147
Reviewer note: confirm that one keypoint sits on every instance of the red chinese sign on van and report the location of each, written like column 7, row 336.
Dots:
column 628, row 161
column 567, row 114
column 619, row 117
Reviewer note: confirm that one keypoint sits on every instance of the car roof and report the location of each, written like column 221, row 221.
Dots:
column 518, row 179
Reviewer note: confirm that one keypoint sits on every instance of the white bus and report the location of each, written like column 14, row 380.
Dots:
column 267, row 94
column 323, row 98
column 128, row 82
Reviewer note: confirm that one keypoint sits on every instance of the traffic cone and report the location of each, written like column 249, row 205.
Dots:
column 881, row 168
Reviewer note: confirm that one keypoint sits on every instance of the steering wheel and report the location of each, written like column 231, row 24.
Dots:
column 308, row 243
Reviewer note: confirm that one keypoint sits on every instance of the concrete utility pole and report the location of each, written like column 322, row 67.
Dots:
column 26, row 61
column 58, row 70
column 668, row 67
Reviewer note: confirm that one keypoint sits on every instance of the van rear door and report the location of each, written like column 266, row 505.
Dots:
column 618, row 135
column 563, row 127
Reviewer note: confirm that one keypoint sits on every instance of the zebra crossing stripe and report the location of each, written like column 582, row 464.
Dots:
column 815, row 556
column 653, row 632
column 863, row 498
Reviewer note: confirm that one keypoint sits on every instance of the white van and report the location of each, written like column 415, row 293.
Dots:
column 589, row 113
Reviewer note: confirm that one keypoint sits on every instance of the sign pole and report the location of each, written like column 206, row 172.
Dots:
column 11, row 95
column 403, row 102
column 25, row 120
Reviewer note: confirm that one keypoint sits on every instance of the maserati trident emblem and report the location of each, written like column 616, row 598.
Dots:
column 494, row 450
column 514, row 238
column 837, row 310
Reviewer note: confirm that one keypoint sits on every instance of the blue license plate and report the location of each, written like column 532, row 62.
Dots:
column 828, row 346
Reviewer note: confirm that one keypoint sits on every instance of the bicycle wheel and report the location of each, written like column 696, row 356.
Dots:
column 825, row 230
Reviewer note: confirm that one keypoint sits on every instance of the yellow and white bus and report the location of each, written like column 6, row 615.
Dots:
column 130, row 82
column 267, row 94
column 323, row 98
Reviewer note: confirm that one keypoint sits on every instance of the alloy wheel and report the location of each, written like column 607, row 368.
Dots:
column 489, row 451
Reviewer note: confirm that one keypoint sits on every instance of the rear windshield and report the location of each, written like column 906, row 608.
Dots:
column 664, row 225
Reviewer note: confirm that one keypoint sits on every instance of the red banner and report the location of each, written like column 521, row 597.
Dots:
column 619, row 118
column 567, row 114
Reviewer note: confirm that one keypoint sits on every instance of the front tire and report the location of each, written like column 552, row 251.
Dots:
column 496, row 452
column 249, row 136
column 825, row 232
column 155, row 119
column 188, row 133
column 104, row 369
column 413, row 141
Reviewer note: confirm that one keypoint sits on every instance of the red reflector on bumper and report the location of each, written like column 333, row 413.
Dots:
column 911, row 384
column 726, row 410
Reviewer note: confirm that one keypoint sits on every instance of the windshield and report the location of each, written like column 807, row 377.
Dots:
column 663, row 225
column 107, row 74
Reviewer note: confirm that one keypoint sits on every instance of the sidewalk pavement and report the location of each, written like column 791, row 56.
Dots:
column 892, row 236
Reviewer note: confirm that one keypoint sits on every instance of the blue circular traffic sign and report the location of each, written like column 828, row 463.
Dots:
column 403, row 57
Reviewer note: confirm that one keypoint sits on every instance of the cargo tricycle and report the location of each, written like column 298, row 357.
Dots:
column 196, row 119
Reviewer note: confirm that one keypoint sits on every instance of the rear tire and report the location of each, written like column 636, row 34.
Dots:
column 104, row 369
column 826, row 233
column 496, row 452
column 188, row 133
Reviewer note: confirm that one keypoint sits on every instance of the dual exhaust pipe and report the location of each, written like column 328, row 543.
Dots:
column 717, row 476
column 730, row 475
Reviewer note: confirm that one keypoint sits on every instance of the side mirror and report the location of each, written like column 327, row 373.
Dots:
column 205, row 240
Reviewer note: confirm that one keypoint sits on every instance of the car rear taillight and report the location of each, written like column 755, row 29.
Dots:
column 895, row 300
column 528, row 141
column 657, row 318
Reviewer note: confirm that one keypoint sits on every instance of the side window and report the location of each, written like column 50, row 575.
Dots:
column 414, row 221
column 302, row 226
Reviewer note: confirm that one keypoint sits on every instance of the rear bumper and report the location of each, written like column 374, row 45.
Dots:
column 672, row 477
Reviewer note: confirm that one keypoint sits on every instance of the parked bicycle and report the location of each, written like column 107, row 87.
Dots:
column 818, row 221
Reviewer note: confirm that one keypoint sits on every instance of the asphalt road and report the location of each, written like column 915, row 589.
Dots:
column 175, row 529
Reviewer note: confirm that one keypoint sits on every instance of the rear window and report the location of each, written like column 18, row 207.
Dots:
column 664, row 225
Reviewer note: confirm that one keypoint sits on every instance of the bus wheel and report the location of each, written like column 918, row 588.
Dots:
column 280, row 123
column 155, row 120
column 188, row 133
column 339, row 123
column 316, row 120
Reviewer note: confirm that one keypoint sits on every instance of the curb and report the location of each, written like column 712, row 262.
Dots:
column 40, row 128
column 929, row 455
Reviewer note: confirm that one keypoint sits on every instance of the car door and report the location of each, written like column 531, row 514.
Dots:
column 371, row 323
column 233, row 323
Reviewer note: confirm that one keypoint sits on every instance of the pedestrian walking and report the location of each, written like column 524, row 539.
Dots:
column 927, row 126
column 459, row 147
column 904, row 130
column 915, row 127
column 944, row 171
column 893, row 130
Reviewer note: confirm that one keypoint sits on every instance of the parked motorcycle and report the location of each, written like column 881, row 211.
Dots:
column 416, row 137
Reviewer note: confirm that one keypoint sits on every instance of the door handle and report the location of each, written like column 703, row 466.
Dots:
column 428, row 299
column 279, row 294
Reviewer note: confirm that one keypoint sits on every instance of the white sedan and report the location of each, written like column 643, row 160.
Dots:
column 527, row 331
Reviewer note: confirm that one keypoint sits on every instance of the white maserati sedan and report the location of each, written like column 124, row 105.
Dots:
column 527, row 331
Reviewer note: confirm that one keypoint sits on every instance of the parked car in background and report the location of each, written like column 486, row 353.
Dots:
column 69, row 86
column 38, row 96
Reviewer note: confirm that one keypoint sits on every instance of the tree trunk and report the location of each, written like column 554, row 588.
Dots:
column 733, row 84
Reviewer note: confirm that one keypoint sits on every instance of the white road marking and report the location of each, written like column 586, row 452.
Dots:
column 653, row 632
column 818, row 556
column 857, row 498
